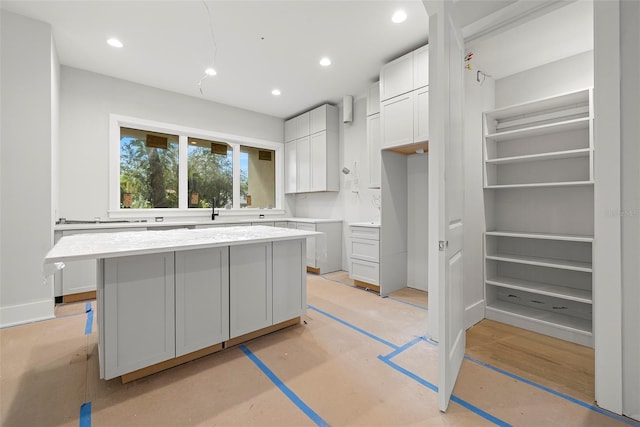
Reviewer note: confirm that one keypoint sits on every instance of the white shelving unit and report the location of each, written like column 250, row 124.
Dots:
column 538, row 180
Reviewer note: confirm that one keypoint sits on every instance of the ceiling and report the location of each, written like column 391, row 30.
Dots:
column 258, row 46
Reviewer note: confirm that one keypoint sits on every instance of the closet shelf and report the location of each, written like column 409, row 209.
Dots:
column 556, row 320
column 556, row 102
column 540, row 184
column 542, row 236
column 562, row 126
column 555, row 155
column 542, row 262
column 563, row 292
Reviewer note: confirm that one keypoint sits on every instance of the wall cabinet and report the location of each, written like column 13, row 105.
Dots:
column 311, row 158
column 538, row 179
column 404, row 98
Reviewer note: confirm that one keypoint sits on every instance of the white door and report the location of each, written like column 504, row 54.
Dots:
column 446, row 192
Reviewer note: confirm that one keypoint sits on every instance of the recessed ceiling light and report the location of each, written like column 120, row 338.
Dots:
column 210, row 72
column 325, row 62
column 399, row 16
column 114, row 42
column 275, row 92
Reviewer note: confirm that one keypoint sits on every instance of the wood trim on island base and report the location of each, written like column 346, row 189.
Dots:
column 261, row 332
column 366, row 285
column 167, row 364
column 141, row 373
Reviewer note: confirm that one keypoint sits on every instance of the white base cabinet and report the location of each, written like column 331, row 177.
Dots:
column 137, row 312
column 202, row 292
column 365, row 254
column 156, row 307
column 324, row 253
column 250, row 296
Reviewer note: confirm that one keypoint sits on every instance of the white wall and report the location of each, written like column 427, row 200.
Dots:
column 87, row 99
column 417, row 220
column 630, row 152
column 566, row 75
column 478, row 98
column 29, row 110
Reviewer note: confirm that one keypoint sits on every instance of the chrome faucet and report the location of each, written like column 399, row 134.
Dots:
column 214, row 214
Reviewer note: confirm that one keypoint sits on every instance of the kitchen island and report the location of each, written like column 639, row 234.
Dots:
column 167, row 297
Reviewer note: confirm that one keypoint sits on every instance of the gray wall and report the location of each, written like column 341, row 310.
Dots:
column 29, row 114
column 87, row 99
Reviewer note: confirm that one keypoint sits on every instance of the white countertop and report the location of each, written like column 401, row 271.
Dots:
column 125, row 243
column 365, row 224
column 152, row 224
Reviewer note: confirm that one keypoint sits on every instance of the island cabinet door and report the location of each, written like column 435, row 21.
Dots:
column 289, row 279
column 250, row 288
column 202, row 299
column 139, row 327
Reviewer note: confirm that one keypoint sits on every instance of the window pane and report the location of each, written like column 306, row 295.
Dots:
column 257, row 177
column 148, row 169
column 210, row 171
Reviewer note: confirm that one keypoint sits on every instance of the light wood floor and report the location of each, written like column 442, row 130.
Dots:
column 357, row 359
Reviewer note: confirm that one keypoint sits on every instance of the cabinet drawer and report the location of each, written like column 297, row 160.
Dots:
column 365, row 271
column 306, row 226
column 364, row 249
column 358, row 232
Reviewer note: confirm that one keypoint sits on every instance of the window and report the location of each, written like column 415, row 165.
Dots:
column 257, row 177
column 148, row 169
column 158, row 169
column 210, row 172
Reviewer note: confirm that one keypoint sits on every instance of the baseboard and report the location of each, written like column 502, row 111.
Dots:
column 26, row 313
column 473, row 313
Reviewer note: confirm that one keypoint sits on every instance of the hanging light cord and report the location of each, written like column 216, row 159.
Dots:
column 213, row 41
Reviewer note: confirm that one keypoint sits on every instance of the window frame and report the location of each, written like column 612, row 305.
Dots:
column 117, row 121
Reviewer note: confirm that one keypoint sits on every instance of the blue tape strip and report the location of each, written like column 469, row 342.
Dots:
column 554, row 392
column 87, row 307
column 487, row 416
column 404, row 347
column 88, row 327
column 355, row 328
column 286, row 390
column 85, row 415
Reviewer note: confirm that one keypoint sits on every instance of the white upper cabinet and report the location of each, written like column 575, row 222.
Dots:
column 289, row 130
column 311, row 158
column 421, row 67
column 404, row 95
column 373, row 99
column 290, row 167
column 397, row 121
column 396, row 77
column 318, row 119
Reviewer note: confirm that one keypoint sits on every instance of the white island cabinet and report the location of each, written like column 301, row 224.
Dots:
column 166, row 297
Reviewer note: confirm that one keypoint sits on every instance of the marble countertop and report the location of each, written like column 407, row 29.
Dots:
column 152, row 224
column 125, row 243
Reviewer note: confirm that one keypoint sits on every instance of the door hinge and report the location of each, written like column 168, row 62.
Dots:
column 442, row 245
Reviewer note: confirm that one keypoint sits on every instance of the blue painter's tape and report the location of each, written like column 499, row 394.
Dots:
column 85, row 415
column 286, row 390
column 87, row 308
column 355, row 328
column 555, row 393
column 487, row 416
column 409, row 374
column 402, row 348
column 88, row 327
